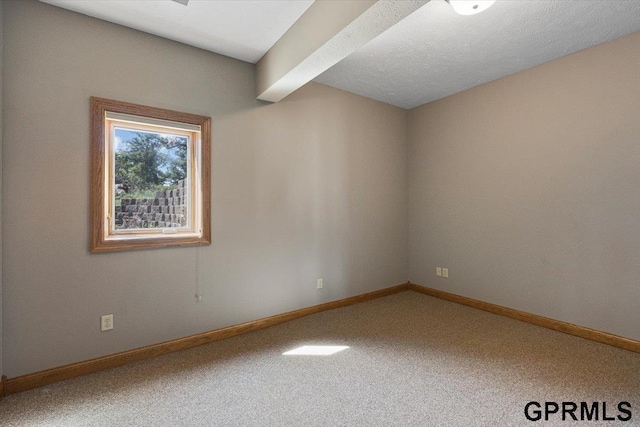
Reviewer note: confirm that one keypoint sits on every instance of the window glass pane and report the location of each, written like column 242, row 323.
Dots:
column 151, row 175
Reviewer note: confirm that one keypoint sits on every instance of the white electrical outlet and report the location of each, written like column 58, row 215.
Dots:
column 445, row 273
column 320, row 283
column 438, row 271
column 106, row 322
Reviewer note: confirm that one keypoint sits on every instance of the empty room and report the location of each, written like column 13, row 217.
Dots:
column 320, row 213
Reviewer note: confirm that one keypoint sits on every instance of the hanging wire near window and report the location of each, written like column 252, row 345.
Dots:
column 198, row 293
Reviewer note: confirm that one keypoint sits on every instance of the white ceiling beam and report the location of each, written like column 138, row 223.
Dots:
column 326, row 33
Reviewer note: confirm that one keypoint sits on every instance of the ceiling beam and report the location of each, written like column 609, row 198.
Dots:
column 326, row 33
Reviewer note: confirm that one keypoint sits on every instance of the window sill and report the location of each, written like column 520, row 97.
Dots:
column 128, row 242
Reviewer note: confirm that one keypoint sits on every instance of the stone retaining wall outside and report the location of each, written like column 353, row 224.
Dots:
column 167, row 209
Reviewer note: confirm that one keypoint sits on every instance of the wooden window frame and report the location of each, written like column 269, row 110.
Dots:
column 101, row 239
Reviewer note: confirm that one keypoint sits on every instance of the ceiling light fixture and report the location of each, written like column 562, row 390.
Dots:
column 470, row 7
column 182, row 2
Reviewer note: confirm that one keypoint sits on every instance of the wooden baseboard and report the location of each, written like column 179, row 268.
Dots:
column 3, row 382
column 556, row 325
column 49, row 376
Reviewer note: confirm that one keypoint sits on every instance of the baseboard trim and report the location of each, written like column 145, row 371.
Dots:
column 3, row 382
column 556, row 325
column 49, row 376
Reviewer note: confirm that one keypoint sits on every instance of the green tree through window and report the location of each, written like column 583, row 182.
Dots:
column 147, row 162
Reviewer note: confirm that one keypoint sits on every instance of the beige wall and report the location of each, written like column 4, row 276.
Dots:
column 1, row 299
column 310, row 187
column 528, row 190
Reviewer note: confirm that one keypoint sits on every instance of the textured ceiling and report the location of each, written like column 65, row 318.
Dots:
column 240, row 29
column 430, row 54
column 435, row 52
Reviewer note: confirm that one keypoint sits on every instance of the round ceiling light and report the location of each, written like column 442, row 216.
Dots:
column 470, row 7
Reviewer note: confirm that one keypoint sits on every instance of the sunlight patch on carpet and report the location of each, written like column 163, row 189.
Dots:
column 315, row 350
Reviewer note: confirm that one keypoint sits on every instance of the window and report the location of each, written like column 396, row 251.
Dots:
column 150, row 177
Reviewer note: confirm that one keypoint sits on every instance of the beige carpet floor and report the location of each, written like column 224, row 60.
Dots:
column 412, row 360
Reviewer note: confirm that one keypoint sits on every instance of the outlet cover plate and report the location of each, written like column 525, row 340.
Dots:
column 106, row 322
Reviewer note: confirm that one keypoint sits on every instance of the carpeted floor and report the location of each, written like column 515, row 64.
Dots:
column 412, row 360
